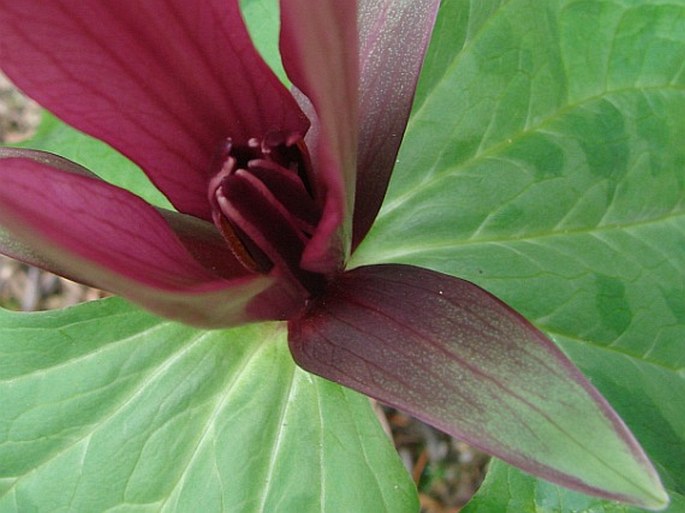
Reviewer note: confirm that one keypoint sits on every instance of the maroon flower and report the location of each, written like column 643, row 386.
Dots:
column 273, row 191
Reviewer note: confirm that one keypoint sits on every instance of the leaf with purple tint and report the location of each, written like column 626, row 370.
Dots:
column 388, row 76
column 507, row 489
column 453, row 355
column 157, row 83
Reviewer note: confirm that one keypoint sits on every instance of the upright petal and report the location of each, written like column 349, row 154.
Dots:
column 162, row 81
column 393, row 38
column 455, row 356
column 88, row 230
column 319, row 50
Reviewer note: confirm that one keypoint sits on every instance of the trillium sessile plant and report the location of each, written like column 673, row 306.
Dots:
column 273, row 190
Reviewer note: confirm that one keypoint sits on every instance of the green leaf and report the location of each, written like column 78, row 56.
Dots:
column 544, row 162
column 633, row 387
column 107, row 408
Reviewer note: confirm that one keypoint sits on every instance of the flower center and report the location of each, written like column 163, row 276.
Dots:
column 263, row 205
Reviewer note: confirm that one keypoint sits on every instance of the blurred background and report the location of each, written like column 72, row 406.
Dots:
column 447, row 472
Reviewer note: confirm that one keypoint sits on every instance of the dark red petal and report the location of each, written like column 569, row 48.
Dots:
column 319, row 50
column 394, row 35
column 162, row 81
column 99, row 234
column 457, row 357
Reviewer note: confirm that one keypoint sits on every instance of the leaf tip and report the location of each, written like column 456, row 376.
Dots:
column 655, row 498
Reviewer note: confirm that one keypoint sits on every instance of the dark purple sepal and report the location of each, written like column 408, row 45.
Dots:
column 393, row 38
column 456, row 357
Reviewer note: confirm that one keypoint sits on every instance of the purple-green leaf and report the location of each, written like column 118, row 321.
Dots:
column 388, row 75
column 453, row 355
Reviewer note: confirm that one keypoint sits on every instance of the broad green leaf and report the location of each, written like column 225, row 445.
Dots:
column 107, row 408
column 544, row 161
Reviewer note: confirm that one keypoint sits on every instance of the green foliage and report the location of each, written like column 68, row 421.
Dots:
column 107, row 408
column 544, row 161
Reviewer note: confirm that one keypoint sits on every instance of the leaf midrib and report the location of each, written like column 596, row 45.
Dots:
column 92, row 428
column 428, row 248
column 222, row 399
column 494, row 150
column 556, row 334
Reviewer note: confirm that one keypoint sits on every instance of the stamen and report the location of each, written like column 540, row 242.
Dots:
column 263, row 205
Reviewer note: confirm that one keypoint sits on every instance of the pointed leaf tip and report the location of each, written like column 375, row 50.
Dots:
column 456, row 357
